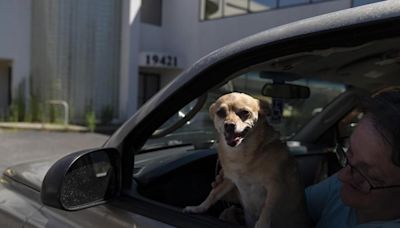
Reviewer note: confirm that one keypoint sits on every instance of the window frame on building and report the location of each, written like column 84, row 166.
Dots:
column 249, row 7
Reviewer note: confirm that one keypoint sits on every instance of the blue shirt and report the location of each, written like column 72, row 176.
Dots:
column 328, row 211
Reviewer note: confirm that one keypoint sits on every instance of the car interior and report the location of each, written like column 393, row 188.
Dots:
column 184, row 170
column 184, row 177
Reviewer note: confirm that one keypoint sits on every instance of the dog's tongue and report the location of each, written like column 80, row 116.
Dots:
column 233, row 139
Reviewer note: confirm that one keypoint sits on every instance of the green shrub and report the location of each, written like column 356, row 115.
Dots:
column 13, row 113
column 91, row 121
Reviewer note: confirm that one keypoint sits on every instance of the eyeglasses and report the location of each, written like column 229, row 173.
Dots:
column 361, row 181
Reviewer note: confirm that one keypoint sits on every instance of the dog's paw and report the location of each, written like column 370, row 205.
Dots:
column 194, row 209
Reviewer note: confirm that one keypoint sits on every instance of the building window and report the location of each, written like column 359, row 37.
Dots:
column 235, row 7
column 262, row 5
column 214, row 9
column 149, row 84
column 210, row 9
column 364, row 2
column 151, row 12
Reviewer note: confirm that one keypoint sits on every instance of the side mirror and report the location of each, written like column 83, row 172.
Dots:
column 82, row 179
column 286, row 91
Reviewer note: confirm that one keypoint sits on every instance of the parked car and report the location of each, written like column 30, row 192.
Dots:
column 163, row 158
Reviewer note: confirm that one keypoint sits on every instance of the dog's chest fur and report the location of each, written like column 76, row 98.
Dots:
column 252, row 196
column 248, row 182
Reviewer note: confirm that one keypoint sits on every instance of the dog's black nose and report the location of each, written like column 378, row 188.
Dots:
column 229, row 127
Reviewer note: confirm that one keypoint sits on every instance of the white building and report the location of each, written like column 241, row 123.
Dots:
column 112, row 55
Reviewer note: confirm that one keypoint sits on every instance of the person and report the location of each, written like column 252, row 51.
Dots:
column 366, row 192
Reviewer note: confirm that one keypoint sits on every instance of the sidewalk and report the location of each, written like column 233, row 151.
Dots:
column 43, row 126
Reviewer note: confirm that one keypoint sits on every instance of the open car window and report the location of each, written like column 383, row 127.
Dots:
column 181, row 156
column 198, row 130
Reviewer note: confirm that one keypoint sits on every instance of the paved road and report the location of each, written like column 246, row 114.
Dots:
column 18, row 146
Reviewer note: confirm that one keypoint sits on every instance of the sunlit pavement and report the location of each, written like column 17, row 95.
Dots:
column 19, row 146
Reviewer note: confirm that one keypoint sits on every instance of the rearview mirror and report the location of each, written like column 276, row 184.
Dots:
column 82, row 179
column 285, row 91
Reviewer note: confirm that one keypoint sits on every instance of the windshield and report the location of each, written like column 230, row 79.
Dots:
column 198, row 130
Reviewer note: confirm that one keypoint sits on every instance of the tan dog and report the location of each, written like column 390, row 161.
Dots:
column 257, row 163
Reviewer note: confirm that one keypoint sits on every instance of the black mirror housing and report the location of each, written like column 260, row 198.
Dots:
column 82, row 179
column 286, row 91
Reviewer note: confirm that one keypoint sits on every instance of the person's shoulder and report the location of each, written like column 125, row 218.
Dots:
column 330, row 184
column 325, row 205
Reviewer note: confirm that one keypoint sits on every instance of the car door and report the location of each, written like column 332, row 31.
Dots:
column 348, row 29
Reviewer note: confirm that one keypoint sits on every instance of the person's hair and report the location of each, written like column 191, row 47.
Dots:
column 384, row 111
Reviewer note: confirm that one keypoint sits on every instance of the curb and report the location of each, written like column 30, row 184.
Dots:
column 42, row 127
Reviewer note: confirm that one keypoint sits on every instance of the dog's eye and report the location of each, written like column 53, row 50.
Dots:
column 221, row 113
column 243, row 114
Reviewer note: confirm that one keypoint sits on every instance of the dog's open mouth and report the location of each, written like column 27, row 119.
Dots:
column 235, row 138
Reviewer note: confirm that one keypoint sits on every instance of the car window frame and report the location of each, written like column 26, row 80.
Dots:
column 188, row 87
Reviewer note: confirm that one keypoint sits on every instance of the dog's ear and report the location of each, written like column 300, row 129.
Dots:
column 265, row 109
column 211, row 111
